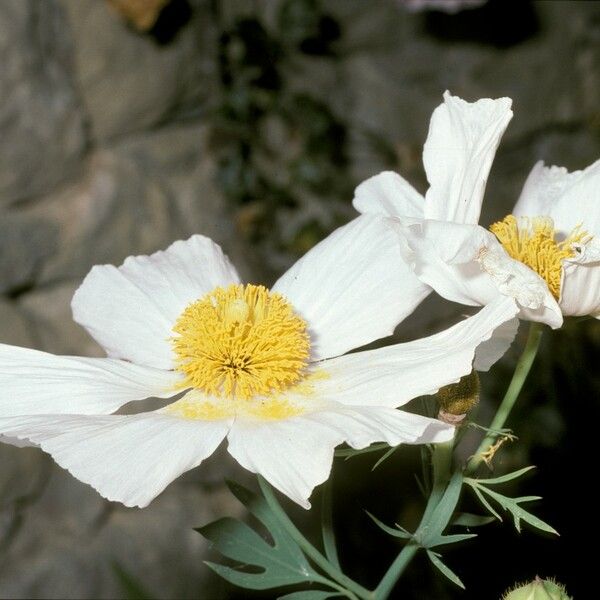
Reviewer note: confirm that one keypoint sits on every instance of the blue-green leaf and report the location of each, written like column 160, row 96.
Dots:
column 471, row 520
column 485, row 503
column 443, row 512
column 511, row 505
column 309, row 595
column 397, row 531
column 505, row 478
column 385, row 457
column 444, row 540
column 445, row 570
column 275, row 564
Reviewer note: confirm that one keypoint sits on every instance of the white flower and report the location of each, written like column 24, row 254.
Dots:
column 545, row 256
column 262, row 368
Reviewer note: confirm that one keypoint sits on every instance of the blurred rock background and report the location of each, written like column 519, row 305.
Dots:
column 128, row 124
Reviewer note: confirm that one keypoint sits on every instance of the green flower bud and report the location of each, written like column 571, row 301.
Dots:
column 538, row 589
column 457, row 399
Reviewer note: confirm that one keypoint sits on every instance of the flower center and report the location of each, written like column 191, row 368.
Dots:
column 241, row 341
column 531, row 240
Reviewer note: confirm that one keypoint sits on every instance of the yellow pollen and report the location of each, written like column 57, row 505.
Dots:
column 239, row 342
column 531, row 240
column 296, row 401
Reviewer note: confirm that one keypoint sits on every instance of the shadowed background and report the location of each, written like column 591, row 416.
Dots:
column 128, row 124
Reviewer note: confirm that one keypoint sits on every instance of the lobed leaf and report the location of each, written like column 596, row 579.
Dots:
column 396, row 531
column 443, row 512
column 444, row 569
column 471, row 520
column 276, row 564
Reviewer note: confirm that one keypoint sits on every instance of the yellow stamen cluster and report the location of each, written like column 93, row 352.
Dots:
column 241, row 341
column 532, row 242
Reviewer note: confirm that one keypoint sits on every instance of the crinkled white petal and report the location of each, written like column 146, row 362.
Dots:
column 393, row 375
column 390, row 195
column 467, row 264
column 571, row 199
column 517, row 280
column 580, row 292
column 130, row 310
column 352, row 288
column 34, row 382
column 128, row 459
column 295, row 455
column 458, row 154
column 490, row 352
column 444, row 256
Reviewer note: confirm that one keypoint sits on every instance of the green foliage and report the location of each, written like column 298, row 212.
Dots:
column 280, row 148
column 262, row 563
column 434, row 557
column 511, row 505
column 274, row 564
column 310, row 595
column 471, row 520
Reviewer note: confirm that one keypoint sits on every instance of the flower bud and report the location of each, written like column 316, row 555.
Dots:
column 457, row 399
column 538, row 589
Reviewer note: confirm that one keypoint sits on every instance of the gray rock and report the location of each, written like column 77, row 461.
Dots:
column 398, row 81
column 130, row 82
column 70, row 538
column 26, row 242
column 41, row 122
column 49, row 310
column 138, row 197
column 15, row 328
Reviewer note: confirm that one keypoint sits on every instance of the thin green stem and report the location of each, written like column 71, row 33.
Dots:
column 338, row 588
column 395, row 571
column 310, row 551
column 327, row 525
column 442, row 470
column 512, row 394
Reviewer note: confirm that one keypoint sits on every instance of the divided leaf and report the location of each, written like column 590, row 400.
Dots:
column 444, row 569
column 511, row 505
column 396, row 531
column 273, row 565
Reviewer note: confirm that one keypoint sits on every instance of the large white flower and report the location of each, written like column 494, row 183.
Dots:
column 545, row 255
column 262, row 368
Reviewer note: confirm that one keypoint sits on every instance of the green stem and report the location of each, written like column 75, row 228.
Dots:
column 307, row 547
column 327, row 525
column 442, row 469
column 395, row 571
column 512, row 393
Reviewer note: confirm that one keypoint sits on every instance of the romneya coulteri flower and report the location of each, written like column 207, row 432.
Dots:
column 545, row 254
column 264, row 368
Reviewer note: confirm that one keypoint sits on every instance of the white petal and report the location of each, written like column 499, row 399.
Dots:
column 352, row 288
column 128, row 459
column 571, row 199
column 34, row 382
column 389, row 195
column 295, row 455
column 458, row 155
column 467, row 264
column 580, row 293
column 393, row 375
column 490, row 352
column 517, row 280
column 445, row 258
column 131, row 310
